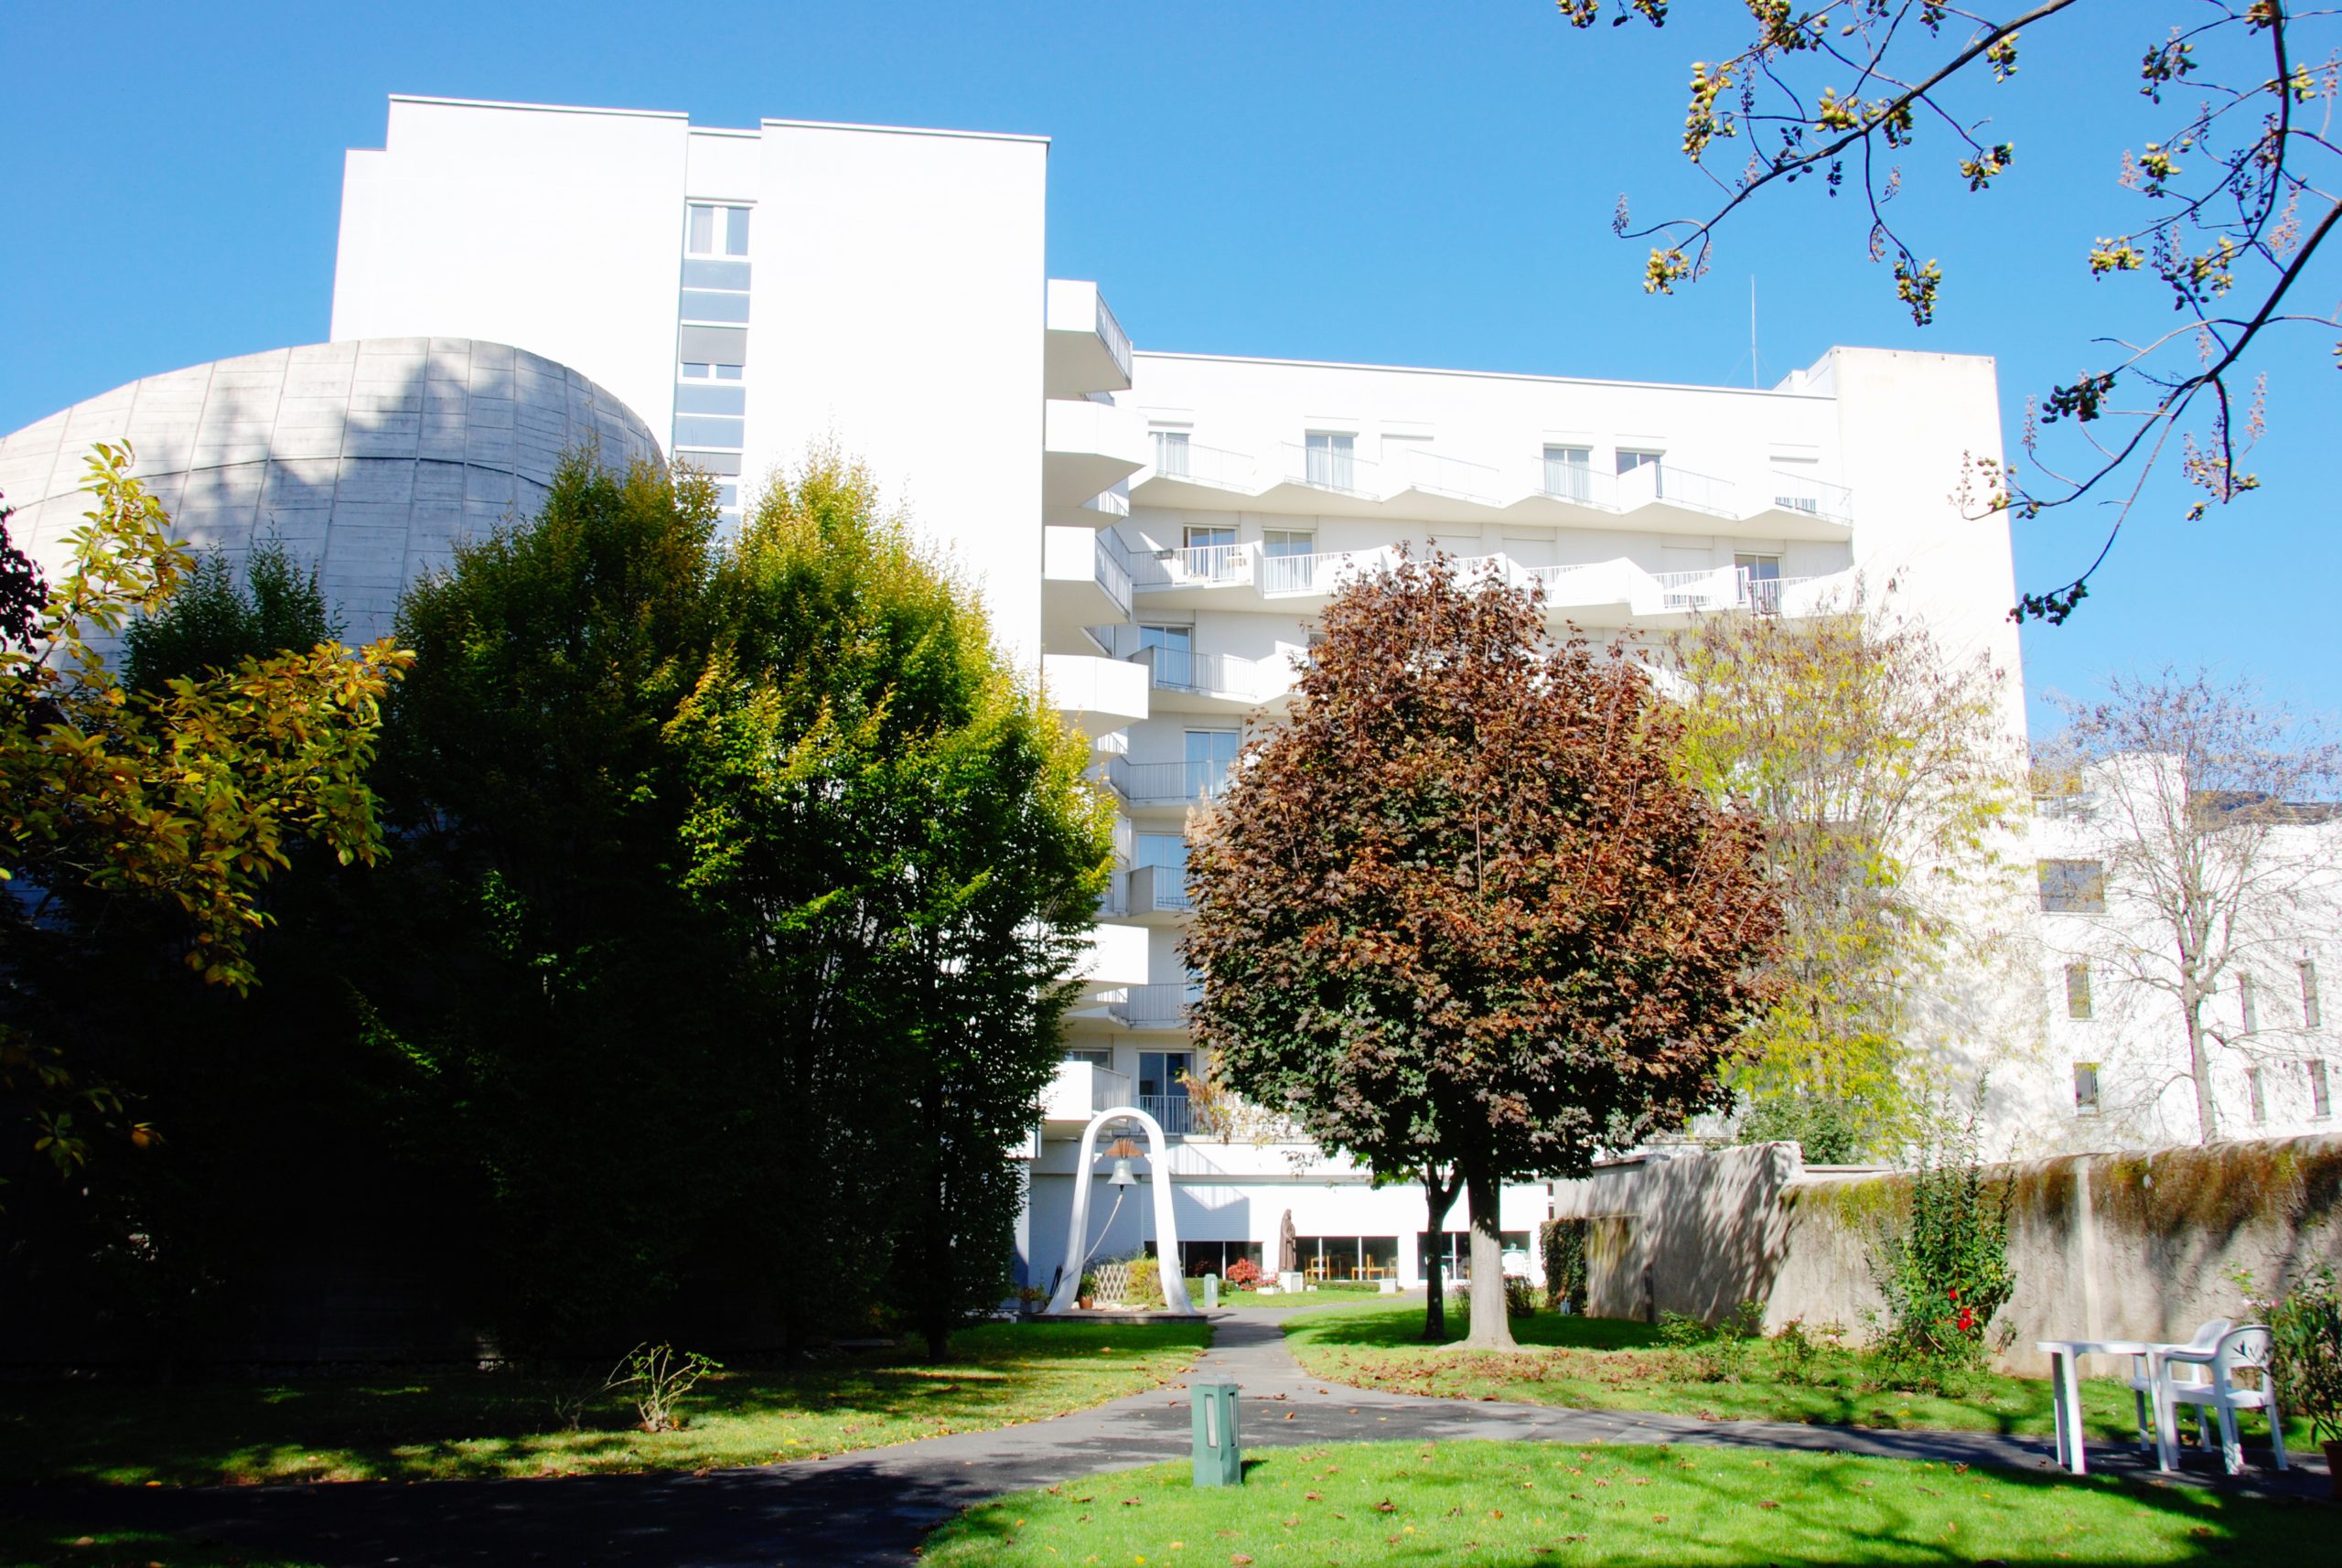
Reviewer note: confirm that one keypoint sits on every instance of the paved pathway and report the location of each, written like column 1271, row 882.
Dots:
column 872, row 1507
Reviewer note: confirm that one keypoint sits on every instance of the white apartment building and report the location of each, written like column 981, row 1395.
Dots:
column 2111, row 976
column 1155, row 532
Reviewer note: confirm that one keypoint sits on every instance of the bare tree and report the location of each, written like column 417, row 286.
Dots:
column 2242, row 187
column 2205, row 804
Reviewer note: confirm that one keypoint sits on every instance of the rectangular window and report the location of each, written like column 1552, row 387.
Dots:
column 1095, row 1059
column 1171, row 452
column 708, row 430
column 1162, row 1090
column 1159, row 849
column 2078, row 991
column 2313, row 1016
column 2248, row 1005
column 1175, row 653
column 1211, row 753
column 1569, row 473
column 2085, row 1089
column 2321, row 1095
column 716, row 274
column 1197, row 1259
column 1629, row 459
column 714, row 345
column 716, row 231
column 1454, row 1249
column 2073, row 887
column 2252, row 1090
column 711, row 400
column 1349, row 1257
column 1208, row 536
column 1760, row 582
column 723, row 463
column 1331, row 460
column 1281, row 542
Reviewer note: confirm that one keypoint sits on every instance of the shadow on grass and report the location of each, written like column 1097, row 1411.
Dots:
column 507, row 1423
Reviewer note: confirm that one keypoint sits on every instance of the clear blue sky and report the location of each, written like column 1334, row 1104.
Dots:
column 1411, row 183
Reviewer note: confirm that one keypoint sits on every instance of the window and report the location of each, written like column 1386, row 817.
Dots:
column 1569, row 473
column 693, row 372
column 717, row 346
column 2253, row 1089
column 1629, row 459
column 2085, row 1089
column 1163, row 1089
column 709, row 430
column 712, row 304
column 2312, row 1016
column 2078, row 991
column 711, row 400
column 1207, row 536
column 2321, row 1095
column 717, row 230
column 1197, row 1259
column 1171, row 452
column 1349, row 1257
column 1454, row 1249
column 1174, row 655
column 1331, row 460
column 1760, row 582
column 1095, row 1059
column 2248, row 1006
column 1211, row 753
column 1282, row 541
column 2073, row 887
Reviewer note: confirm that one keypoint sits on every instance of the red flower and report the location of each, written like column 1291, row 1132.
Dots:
column 1955, row 1293
column 1967, row 1320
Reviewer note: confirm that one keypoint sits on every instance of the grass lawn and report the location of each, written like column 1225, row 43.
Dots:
column 1493, row 1505
column 1316, row 1300
column 27, row 1545
column 503, row 1423
column 1598, row 1363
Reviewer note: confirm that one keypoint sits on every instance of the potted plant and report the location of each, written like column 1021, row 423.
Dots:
column 2305, row 1329
column 1085, row 1295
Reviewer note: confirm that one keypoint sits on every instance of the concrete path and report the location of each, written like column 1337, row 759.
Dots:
column 874, row 1507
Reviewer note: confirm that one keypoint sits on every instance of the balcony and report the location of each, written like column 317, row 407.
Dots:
column 1453, row 479
column 1166, row 783
column 1155, row 1007
column 1113, row 958
column 1341, row 473
column 1670, row 488
column 1080, row 1090
column 1155, row 894
column 1173, row 1112
column 1084, row 347
column 1097, row 696
column 1811, row 497
column 1180, row 462
column 1212, row 682
column 1088, row 448
column 1085, row 581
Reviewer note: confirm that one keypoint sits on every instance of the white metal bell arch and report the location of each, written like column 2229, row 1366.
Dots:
column 1167, row 1233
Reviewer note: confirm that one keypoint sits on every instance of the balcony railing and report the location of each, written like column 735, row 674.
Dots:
column 1677, row 487
column 1326, row 468
column 1303, row 574
column 1114, row 568
column 1715, row 588
column 1167, row 781
column 1170, row 1110
column 1158, row 1006
column 1815, row 497
column 1443, row 475
column 1176, row 458
column 1117, row 341
column 1108, row 1089
column 1204, row 674
column 1579, row 482
column 1157, row 890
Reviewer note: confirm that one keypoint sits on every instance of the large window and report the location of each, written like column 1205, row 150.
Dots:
column 1197, row 1259
column 1279, row 543
column 1569, row 473
column 1175, row 653
column 1211, row 753
column 1163, row 1089
column 2073, row 887
column 2085, row 1089
column 1171, row 451
column 1455, row 1247
column 1349, row 1257
column 1331, row 460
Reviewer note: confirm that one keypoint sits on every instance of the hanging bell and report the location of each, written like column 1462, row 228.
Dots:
column 1122, row 1177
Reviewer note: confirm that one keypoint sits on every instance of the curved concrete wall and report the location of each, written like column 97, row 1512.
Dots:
column 370, row 457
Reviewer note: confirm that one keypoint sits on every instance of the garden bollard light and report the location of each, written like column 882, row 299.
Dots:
column 1211, row 1292
column 1220, row 1460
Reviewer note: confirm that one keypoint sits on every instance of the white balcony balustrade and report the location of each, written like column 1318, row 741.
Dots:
column 1579, row 483
column 1323, row 572
column 1815, row 497
column 1166, row 783
column 1211, row 680
column 1717, row 589
column 1179, row 459
column 1438, row 474
column 1155, row 1007
column 1664, row 484
column 1323, row 468
column 1084, row 348
column 1155, row 894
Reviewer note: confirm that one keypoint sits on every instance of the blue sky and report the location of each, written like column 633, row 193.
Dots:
column 1413, row 183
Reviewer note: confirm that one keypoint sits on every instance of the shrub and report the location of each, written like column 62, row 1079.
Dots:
column 1720, row 1353
column 1563, row 1242
column 1945, row 1271
column 658, row 1377
column 1242, row 1274
column 2305, row 1327
column 1520, row 1299
column 1799, row 1354
column 1145, row 1287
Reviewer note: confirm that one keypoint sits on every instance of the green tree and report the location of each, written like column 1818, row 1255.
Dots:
column 2237, row 185
column 180, row 802
column 1458, row 914
column 213, row 622
column 900, row 839
column 1884, row 774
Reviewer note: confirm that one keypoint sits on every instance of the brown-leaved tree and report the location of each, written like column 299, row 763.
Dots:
column 1459, row 917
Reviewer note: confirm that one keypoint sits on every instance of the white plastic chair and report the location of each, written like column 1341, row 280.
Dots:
column 2239, row 1350
column 2143, row 1388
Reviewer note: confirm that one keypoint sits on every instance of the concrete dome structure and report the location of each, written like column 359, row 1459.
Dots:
column 371, row 459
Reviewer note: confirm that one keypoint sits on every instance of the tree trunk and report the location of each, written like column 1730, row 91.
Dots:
column 1491, row 1328
column 2199, row 1068
column 1438, row 1198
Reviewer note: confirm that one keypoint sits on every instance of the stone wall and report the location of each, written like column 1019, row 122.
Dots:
column 2129, row 1245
